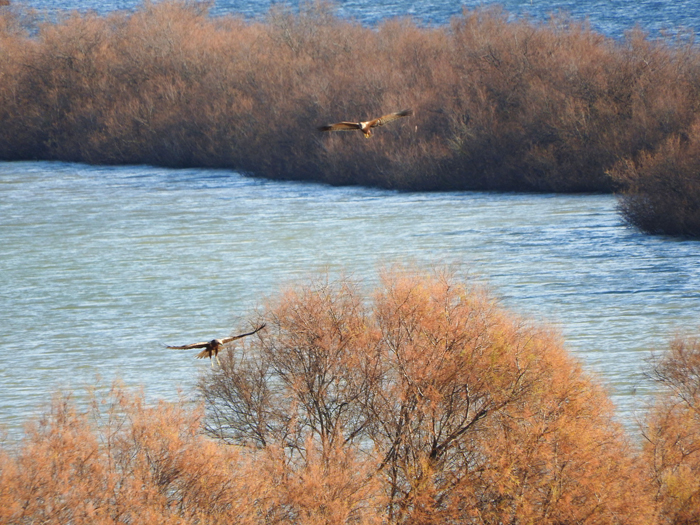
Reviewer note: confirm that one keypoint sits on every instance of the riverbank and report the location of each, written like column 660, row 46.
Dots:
column 499, row 105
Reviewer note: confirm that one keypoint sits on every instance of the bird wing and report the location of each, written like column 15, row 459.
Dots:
column 233, row 338
column 341, row 126
column 390, row 117
column 193, row 345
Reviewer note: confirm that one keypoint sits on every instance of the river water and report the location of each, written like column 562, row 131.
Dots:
column 101, row 266
column 611, row 17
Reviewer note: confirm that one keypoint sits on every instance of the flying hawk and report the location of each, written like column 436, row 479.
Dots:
column 213, row 347
column 366, row 127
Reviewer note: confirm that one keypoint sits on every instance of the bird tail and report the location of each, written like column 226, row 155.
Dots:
column 204, row 353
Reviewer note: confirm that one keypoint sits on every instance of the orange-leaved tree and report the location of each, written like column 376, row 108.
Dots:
column 125, row 462
column 434, row 404
column 672, row 433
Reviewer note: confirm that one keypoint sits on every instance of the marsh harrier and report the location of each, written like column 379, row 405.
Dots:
column 213, row 347
column 366, row 127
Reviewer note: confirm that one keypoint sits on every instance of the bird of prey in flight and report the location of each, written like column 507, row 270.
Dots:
column 213, row 347
column 366, row 127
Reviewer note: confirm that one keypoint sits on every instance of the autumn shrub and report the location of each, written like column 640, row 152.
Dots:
column 499, row 104
column 662, row 194
column 672, row 433
column 430, row 398
column 551, row 107
column 420, row 402
column 124, row 462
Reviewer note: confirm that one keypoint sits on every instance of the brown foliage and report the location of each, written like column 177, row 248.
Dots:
column 448, row 407
column 672, row 434
column 663, row 187
column 123, row 462
column 422, row 403
column 499, row 105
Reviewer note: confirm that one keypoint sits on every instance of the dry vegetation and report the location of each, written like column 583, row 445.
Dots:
column 672, row 434
column 499, row 105
column 124, row 462
column 454, row 410
column 663, row 187
column 424, row 402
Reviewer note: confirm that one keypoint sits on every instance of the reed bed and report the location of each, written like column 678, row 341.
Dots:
column 499, row 105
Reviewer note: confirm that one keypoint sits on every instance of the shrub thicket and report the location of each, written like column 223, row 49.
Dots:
column 453, row 409
column 663, row 187
column 124, row 462
column 672, row 434
column 498, row 105
column 426, row 403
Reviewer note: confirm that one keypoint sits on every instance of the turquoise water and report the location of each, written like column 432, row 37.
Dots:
column 102, row 266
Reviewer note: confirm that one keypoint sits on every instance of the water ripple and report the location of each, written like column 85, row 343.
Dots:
column 611, row 17
column 102, row 265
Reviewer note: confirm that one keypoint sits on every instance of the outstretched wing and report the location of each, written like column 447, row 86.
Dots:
column 233, row 338
column 390, row 117
column 187, row 347
column 340, row 126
